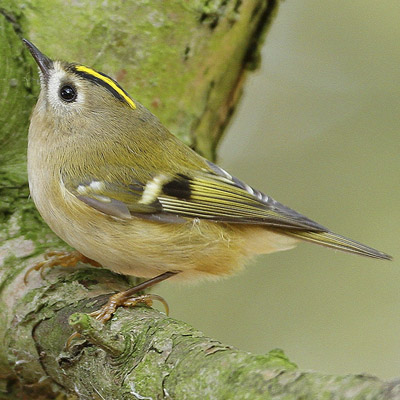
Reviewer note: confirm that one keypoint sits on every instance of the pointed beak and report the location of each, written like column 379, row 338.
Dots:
column 44, row 63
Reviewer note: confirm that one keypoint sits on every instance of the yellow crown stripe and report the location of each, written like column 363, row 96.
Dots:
column 108, row 81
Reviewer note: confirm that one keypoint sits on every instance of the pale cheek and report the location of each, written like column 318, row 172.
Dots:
column 60, row 107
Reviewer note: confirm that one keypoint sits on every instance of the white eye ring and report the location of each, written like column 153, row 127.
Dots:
column 67, row 93
column 59, row 79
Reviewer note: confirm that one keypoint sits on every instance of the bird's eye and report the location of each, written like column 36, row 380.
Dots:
column 68, row 93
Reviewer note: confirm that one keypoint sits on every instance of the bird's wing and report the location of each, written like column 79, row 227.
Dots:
column 210, row 194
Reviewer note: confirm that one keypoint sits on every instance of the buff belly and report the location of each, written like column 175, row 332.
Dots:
column 197, row 248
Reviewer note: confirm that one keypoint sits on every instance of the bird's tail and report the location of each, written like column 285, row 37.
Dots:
column 335, row 241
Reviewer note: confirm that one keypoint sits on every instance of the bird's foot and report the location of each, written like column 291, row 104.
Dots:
column 119, row 300
column 59, row 258
column 123, row 300
column 128, row 298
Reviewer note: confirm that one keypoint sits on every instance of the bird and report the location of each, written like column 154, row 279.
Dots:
column 111, row 181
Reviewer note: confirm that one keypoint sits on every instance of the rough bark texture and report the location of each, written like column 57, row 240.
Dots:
column 186, row 61
column 142, row 354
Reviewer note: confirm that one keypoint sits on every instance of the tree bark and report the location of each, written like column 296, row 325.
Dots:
column 143, row 354
column 187, row 62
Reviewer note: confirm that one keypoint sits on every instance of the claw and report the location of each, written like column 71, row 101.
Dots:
column 68, row 343
column 128, row 299
column 120, row 300
column 59, row 258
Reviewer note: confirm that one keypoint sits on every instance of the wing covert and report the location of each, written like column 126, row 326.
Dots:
column 206, row 194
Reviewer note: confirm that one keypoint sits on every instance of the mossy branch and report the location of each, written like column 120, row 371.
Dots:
column 143, row 354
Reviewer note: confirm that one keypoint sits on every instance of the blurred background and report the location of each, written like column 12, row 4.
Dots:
column 318, row 130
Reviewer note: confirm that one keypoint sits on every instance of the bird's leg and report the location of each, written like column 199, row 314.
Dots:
column 59, row 258
column 129, row 298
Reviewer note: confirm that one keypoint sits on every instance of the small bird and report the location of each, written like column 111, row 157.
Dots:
column 111, row 181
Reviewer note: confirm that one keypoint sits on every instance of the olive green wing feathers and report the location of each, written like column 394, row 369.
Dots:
column 208, row 194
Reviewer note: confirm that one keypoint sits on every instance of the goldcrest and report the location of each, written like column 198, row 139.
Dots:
column 115, row 184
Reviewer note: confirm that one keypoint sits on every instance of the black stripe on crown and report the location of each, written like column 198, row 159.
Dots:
column 106, row 81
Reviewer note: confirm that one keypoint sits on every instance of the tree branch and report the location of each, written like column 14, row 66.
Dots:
column 143, row 354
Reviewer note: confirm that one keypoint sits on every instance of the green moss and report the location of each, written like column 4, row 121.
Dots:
column 277, row 358
column 18, row 91
column 203, row 42
column 16, row 97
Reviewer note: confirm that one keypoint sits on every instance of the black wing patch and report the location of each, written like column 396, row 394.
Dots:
column 212, row 195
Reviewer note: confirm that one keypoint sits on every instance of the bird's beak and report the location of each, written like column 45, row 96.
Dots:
column 44, row 63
